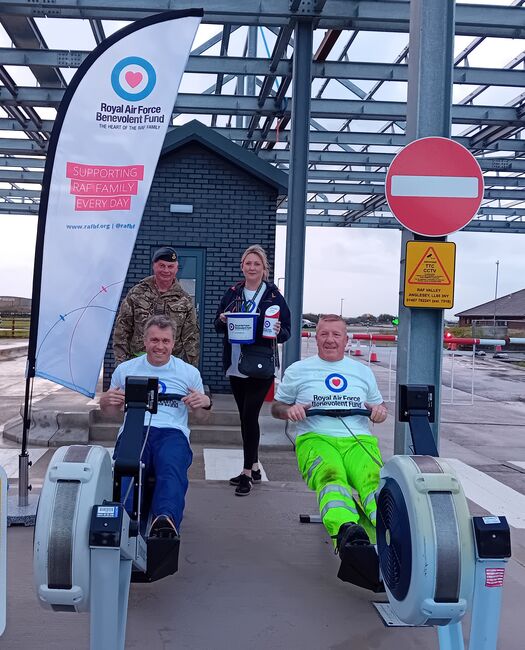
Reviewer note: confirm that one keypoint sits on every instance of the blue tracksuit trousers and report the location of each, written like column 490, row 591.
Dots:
column 168, row 456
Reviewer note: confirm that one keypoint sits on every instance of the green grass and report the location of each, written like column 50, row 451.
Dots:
column 20, row 331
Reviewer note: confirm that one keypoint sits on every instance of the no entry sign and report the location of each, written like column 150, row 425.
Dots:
column 434, row 186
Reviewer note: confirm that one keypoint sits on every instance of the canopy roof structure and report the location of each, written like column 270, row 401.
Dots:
column 239, row 81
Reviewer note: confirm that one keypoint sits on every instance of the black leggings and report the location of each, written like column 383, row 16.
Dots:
column 249, row 395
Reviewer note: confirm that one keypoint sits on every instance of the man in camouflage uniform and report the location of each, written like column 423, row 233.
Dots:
column 157, row 294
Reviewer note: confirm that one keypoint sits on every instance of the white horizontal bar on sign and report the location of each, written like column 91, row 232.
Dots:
column 451, row 187
column 493, row 496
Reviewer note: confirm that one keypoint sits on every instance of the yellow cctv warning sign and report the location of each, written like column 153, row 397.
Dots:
column 429, row 274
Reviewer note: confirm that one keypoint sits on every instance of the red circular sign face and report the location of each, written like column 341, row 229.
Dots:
column 434, row 186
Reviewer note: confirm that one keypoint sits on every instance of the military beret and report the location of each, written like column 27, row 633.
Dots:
column 166, row 253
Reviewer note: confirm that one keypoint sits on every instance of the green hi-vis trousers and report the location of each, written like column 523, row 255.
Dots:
column 333, row 467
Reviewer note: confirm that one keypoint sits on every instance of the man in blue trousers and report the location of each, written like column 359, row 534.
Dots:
column 167, row 452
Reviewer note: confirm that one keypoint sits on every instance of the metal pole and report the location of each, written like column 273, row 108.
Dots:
column 296, row 219
column 252, row 54
column 452, row 377
column 496, row 296
column 429, row 106
column 341, row 309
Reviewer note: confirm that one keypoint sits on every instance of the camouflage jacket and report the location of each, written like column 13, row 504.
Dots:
column 145, row 300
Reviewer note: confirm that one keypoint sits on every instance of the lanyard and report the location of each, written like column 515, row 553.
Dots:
column 249, row 305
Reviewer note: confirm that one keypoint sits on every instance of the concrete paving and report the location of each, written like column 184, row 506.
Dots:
column 13, row 348
column 250, row 574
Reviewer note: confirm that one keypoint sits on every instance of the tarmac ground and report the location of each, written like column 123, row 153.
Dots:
column 249, row 573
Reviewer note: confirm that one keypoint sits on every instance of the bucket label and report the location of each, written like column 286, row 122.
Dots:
column 241, row 327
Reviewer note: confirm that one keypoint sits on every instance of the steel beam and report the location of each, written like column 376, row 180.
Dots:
column 277, row 67
column 328, row 188
column 317, row 137
column 373, row 15
column 7, row 207
column 382, row 222
column 326, row 108
column 296, row 222
column 9, row 161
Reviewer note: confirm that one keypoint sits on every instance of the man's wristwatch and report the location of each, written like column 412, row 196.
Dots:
column 207, row 408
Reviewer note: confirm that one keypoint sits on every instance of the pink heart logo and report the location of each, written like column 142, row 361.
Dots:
column 336, row 382
column 133, row 78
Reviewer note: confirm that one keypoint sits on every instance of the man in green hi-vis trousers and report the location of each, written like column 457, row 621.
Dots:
column 335, row 455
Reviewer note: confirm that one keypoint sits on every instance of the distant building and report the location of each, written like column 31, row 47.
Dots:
column 15, row 305
column 508, row 312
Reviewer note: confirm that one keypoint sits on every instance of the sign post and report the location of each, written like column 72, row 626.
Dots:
column 434, row 186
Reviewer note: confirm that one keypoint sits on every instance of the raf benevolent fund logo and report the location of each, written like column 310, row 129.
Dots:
column 133, row 78
column 336, row 383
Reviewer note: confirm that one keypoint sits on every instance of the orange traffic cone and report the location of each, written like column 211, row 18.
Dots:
column 373, row 354
column 498, row 348
column 358, row 352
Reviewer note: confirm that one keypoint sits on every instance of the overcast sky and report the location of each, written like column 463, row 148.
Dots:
column 360, row 266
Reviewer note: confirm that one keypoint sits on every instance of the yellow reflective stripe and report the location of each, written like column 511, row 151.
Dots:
column 316, row 462
column 336, row 504
column 332, row 487
column 369, row 498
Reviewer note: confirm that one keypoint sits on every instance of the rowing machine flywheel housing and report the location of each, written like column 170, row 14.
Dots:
column 77, row 478
column 424, row 540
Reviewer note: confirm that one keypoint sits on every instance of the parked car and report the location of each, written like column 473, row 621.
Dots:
column 307, row 324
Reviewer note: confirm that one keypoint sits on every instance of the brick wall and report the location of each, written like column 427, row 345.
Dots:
column 231, row 210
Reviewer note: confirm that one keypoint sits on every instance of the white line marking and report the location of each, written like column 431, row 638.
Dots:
column 457, row 187
column 222, row 464
column 493, row 496
column 9, row 459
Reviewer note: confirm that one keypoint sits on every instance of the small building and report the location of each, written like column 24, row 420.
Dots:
column 496, row 317
column 210, row 199
column 15, row 305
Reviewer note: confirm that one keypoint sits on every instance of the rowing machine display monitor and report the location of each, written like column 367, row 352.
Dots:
column 416, row 406
column 141, row 393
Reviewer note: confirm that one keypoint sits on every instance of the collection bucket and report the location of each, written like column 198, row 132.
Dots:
column 241, row 327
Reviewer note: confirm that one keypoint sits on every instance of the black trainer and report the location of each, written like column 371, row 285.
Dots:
column 163, row 527
column 244, row 487
column 256, row 477
column 351, row 534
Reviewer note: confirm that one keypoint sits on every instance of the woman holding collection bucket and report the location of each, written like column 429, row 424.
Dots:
column 254, row 317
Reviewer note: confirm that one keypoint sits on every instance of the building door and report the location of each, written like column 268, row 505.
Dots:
column 191, row 277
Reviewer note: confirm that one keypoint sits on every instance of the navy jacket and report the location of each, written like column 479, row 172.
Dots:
column 232, row 301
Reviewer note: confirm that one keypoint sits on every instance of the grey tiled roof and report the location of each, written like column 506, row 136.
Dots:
column 510, row 306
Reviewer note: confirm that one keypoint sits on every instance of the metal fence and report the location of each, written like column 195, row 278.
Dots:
column 14, row 327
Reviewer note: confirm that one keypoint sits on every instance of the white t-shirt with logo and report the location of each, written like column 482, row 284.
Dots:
column 233, row 370
column 331, row 385
column 175, row 377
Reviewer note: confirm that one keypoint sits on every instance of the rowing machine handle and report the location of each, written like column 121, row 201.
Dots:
column 338, row 413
